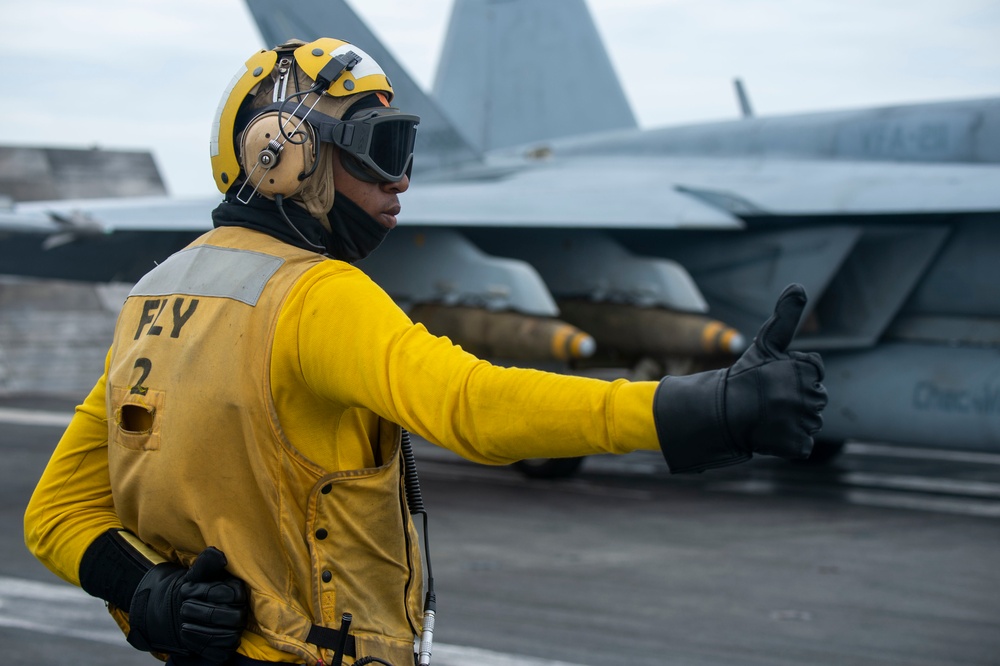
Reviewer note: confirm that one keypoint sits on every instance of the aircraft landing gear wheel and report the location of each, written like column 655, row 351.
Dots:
column 549, row 468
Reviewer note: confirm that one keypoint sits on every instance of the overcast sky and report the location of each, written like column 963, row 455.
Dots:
column 147, row 74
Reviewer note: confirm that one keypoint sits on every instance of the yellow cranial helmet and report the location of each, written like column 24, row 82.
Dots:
column 285, row 103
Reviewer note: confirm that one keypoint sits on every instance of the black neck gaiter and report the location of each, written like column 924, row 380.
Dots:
column 355, row 233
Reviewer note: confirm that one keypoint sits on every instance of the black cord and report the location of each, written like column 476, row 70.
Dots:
column 415, row 499
column 279, row 201
column 415, row 502
column 317, row 88
column 281, row 125
column 312, row 169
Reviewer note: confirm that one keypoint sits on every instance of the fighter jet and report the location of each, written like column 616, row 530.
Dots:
column 539, row 214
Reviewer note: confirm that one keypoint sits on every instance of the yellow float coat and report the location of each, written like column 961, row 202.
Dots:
column 265, row 404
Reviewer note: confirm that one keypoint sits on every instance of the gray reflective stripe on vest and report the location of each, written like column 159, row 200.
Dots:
column 206, row 270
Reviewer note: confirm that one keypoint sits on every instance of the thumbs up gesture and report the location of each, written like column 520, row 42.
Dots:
column 770, row 401
column 774, row 397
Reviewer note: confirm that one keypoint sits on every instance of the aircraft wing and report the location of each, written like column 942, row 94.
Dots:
column 578, row 194
column 690, row 192
column 543, row 203
column 98, row 240
column 598, row 192
column 752, row 187
column 112, row 215
column 66, row 237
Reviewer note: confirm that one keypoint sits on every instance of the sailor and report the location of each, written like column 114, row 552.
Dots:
column 234, row 487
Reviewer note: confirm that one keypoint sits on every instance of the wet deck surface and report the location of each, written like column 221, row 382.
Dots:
column 887, row 556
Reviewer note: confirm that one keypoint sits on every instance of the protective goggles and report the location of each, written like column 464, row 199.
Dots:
column 378, row 142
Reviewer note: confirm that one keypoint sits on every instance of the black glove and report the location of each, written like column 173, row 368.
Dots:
column 770, row 401
column 198, row 611
column 201, row 610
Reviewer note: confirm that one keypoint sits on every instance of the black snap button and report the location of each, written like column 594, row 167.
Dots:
column 321, row 534
column 327, row 576
column 326, row 489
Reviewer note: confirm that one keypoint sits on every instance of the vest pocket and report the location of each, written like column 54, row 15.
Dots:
column 393, row 651
column 137, row 419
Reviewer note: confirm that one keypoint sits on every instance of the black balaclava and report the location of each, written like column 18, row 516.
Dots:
column 355, row 234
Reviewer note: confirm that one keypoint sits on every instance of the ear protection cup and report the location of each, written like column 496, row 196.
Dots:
column 272, row 160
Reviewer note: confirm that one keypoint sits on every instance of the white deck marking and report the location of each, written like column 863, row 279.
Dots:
column 922, row 484
column 63, row 610
column 893, row 451
column 34, row 417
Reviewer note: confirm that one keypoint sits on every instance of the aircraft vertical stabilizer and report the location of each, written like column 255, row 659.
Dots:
column 520, row 71
column 439, row 144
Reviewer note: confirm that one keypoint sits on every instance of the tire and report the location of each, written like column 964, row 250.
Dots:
column 549, row 468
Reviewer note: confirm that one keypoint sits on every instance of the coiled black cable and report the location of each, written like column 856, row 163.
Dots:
column 415, row 499
column 415, row 502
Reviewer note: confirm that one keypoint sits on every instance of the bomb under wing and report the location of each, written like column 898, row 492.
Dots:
column 652, row 331
column 505, row 335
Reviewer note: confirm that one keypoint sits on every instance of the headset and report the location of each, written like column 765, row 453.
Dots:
column 280, row 145
column 281, row 149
